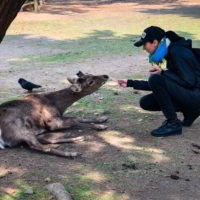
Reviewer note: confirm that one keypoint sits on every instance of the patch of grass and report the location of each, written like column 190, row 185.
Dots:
column 80, row 190
column 9, row 99
column 83, row 189
column 10, row 37
column 130, row 23
column 104, row 100
column 88, row 36
column 139, row 76
column 81, row 49
column 38, row 194
column 196, row 44
column 95, row 36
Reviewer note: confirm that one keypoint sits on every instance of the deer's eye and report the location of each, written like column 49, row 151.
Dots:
column 91, row 83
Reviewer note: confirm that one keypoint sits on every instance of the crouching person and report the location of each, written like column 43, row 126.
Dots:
column 176, row 89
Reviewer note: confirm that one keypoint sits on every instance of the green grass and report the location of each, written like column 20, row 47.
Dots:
column 38, row 194
column 81, row 188
column 113, row 24
column 96, row 35
column 136, row 76
column 9, row 99
column 93, row 36
column 105, row 100
column 81, row 49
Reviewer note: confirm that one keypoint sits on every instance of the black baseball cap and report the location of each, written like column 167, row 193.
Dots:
column 150, row 34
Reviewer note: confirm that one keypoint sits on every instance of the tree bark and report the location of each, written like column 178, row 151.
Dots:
column 8, row 12
column 36, row 5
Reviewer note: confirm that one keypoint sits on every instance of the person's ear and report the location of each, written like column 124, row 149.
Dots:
column 155, row 43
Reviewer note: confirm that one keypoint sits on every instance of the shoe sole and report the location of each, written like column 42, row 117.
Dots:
column 186, row 125
column 165, row 135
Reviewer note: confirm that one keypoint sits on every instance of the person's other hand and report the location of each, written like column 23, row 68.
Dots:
column 155, row 70
column 122, row 83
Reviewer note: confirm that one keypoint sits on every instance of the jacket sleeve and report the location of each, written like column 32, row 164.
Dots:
column 184, row 64
column 139, row 85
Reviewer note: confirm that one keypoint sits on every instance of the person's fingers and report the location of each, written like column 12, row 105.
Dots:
column 153, row 69
column 155, row 72
column 122, row 83
column 119, row 82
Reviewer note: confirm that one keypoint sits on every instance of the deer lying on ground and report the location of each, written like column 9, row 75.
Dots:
column 26, row 119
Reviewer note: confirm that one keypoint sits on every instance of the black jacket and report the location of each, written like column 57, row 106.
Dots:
column 183, row 66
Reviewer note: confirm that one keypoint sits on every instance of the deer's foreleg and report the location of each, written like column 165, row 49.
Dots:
column 64, row 123
column 60, row 123
column 96, row 120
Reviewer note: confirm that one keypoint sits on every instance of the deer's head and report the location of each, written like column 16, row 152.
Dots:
column 87, row 83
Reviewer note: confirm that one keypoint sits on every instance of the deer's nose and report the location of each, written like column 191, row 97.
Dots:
column 106, row 77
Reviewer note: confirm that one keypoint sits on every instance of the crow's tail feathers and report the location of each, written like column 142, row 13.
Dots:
column 37, row 86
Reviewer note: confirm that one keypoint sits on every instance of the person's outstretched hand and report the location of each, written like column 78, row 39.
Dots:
column 155, row 70
column 122, row 82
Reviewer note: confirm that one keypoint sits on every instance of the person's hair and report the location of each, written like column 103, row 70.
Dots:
column 173, row 37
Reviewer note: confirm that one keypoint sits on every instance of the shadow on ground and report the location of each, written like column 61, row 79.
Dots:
column 181, row 10
column 121, row 163
column 170, row 7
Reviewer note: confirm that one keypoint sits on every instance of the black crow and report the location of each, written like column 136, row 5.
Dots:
column 27, row 85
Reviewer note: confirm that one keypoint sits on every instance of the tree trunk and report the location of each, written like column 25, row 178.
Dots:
column 8, row 12
column 36, row 5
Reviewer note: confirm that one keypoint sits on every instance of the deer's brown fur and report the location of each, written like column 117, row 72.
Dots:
column 23, row 120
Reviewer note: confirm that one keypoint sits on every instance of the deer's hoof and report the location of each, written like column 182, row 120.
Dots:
column 100, row 127
column 72, row 154
column 78, row 155
column 78, row 139
column 101, row 119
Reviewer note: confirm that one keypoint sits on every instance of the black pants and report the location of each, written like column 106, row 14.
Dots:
column 169, row 97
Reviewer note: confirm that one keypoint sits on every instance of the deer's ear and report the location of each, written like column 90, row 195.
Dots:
column 80, row 74
column 72, row 80
column 76, row 88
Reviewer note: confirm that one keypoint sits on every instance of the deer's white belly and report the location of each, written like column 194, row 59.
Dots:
column 2, row 143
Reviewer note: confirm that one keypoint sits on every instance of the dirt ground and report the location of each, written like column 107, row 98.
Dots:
column 122, row 163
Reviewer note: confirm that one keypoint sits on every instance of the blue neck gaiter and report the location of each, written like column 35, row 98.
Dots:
column 160, row 53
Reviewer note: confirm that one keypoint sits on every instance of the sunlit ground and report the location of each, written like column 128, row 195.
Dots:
column 124, row 162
